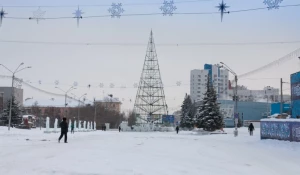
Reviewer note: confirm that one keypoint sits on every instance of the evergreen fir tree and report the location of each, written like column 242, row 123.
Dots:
column 208, row 115
column 187, row 116
column 15, row 112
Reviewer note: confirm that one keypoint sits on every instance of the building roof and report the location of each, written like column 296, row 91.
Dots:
column 109, row 100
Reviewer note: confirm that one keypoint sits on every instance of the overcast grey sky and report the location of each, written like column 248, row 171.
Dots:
column 122, row 65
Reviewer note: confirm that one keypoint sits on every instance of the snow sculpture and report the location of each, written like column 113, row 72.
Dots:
column 47, row 125
column 70, row 123
column 55, row 125
column 95, row 126
column 84, row 126
column 79, row 126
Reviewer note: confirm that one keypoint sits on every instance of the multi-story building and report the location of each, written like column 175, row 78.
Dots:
column 198, row 81
column 18, row 93
column 268, row 94
column 113, row 104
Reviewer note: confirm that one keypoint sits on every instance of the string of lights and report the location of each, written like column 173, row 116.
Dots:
column 168, row 8
column 101, row 5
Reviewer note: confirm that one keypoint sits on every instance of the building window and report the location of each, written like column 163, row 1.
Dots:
column 198, row 92
column 199, row 79
column 199, row 87
column 199, row 76
column 198, row 95
column 199, row 83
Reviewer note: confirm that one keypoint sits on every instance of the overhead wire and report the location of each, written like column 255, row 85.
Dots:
column 175, row 13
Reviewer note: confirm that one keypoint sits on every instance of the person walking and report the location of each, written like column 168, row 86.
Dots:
column 72, row 128
column 64, row 130
column 251, row 129
column 177, row 129
column 119, row 128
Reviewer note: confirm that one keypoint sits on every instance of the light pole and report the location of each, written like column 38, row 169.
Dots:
column 78, row 112
column 95, row 113
column 236, row 97
column 66, row 94
column 12, row 87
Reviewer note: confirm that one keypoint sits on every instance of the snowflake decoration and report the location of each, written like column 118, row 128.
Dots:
column 116, row 10
column 135, row 85
column 222, row 8
column 38, row 15
column 101, row 85
column 56, row 82
column 89, row 86
column 168, row 8
column 52, row 99
column 75, row 84
column 40, row 81
column 111, row 85
column 2, row 15
column 272, row 4
column 78, row 15
column 178, row 83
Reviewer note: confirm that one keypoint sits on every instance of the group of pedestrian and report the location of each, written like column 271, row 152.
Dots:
column 64, row 129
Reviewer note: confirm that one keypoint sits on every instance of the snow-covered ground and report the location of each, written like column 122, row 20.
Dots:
column 131, row 153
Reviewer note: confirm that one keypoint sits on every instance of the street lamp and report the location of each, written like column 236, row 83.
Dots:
column 78, row 112
column 12, row 87
column 235, row 94
column 66, row 94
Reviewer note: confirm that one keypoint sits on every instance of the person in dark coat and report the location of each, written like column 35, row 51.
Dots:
column 177, row 129
column 251, row 129
column 64, row 129
column 72, row 128
column 119, row 128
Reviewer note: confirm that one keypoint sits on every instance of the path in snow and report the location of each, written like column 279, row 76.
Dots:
column 113, row 153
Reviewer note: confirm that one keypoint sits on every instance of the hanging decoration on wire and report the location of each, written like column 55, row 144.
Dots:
column 89, row 86
column 222, row 8
column 78, row 15
column 38, row 15
column 56, row 82
column 40, row 82
column 2, row 15
column 168, row 8
column 111, row 85
column 101, row 85
column 116, row 10
column 272, row 4
column 178, row 83
column 135, row 85
column 75, row 84
column 52, row 99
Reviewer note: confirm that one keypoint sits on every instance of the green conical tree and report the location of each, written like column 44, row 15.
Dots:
column 208, row 114
column 187, row 116
column 16, row 118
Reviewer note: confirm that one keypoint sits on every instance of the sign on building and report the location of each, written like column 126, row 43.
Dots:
column 295, row 94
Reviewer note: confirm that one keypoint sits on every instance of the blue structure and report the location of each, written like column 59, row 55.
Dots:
column 168, row 119
column 275, row 108
column 247, row 111
column 295, row 94
column 280, row 129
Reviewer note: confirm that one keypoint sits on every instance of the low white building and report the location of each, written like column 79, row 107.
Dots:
column 268, row 94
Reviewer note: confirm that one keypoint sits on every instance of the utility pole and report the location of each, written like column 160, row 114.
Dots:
column 281, row 96
column 95, row 113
